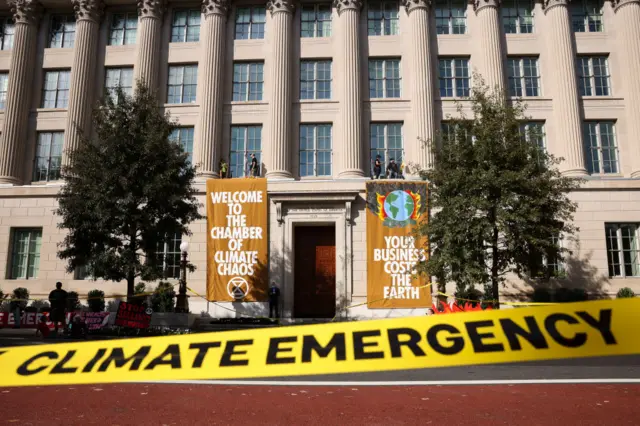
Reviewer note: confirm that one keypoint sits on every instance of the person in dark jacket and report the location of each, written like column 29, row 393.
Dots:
column 274, row 301
column 377, row 168
column 58, row 301
column 392, row 169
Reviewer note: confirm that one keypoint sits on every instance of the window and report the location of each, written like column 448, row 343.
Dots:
column 586, row 16
column 517, row 16
column 386, row 141
column 315, row 20
column 183, row 83
column 450, row 131
column 524, row 78
column 248, row 81
column 250, row 23
column 123, row 29
column 382, row 18
column 453, row 77
column 548, row 263
column 245, row 140
column 622, row 249
column 25, row 253
column 533, row 131
column 7, row 31
column 593, row 76
column 184, row 137
column 56, row 89
column 601, row 149
column 4, row 82
column 315, row 150
column 119, row 77
column 48, row 156
column 81, row 273
column 315, row 80
column 63, row 31
column 185, row 26
column 451, row 17
column 384, row 78
column 168, row 255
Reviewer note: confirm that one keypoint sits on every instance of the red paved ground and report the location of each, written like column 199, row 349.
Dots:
column 141, row 405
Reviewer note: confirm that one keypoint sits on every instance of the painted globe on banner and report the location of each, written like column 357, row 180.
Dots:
column 399, row 206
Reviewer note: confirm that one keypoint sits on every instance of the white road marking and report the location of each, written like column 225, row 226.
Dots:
column 399, row 383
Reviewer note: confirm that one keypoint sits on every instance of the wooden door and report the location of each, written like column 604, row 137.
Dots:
column 315, row 272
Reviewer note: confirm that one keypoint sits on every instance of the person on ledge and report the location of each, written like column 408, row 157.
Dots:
column 223, row 169
column 392, row 169
column 254, row 166
column 377, row 168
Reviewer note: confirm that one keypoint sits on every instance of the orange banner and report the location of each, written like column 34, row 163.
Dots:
column 237, row 242
column 394, row 208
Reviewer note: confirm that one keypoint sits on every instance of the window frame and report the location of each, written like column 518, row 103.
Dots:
column 246, row 153
column 187, row 133
column 581, row 16
column 619, row 250
column 316, row 80
column 526, row 134
column 452, row 60
column 384, row 21
column 248, row 82
column 250, row 33
column 183, row 37
column 4, row 88
column 7, row 38
column 448, row 7
column 182, row 85
column 126, row 30
column 522, row 78
column 315, row 127
column 58, row 143
column 36, row 254
column 592, row 78
column 385, row 151
column 317, row 23
column 385, row 79
column 110, row 91
column 517, row 21
column 65, row 34
column 589, row 159
column 58, row 90
column 169, row 248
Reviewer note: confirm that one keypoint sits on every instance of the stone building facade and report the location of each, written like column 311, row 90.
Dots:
column 317, row 90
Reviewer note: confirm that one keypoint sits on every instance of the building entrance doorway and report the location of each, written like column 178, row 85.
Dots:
column 314, row 290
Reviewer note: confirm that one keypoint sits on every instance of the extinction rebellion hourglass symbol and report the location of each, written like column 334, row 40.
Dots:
column 238, row 288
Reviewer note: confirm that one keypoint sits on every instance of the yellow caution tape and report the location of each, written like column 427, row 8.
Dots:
column 571, row 330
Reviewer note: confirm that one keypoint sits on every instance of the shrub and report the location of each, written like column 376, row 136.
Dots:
column 96, row 300
column 73, row 301
column 139, row 296
column 541, row 295
column 22, row 294
column 568, row 295
column 625, row 293
column 40, row 306
column 162, row 299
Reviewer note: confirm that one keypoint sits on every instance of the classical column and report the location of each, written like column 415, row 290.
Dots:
column 88, row 15
column 628, row 13
column 422, row 90
column 350, row 142
column 278, row 149
column 150, row 14
column 26, row 14
column 490, row 33
column 212, row 84
column 566, row 106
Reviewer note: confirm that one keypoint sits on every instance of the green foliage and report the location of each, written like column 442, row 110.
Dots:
column 40, row 306
column 73, row 301
column 139, row 296
column 625, row 293
column 163, row 297
column 498, row 200
column 125, row 190
column 21, row 297
column 96, row 300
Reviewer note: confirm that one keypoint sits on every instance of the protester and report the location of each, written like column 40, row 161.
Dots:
column 392, row 169
column 78, row 329
column 274, row 299
column 223, row 169
column 254, row 166
column 43, row 328
column 58, row 301
column 377, row 168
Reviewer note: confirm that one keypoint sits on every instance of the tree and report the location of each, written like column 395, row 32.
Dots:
column 126, row 190
column 498, row 202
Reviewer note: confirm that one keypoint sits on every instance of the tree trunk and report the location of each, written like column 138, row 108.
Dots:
column 131, row 274
column 130, row 285
column 495, row 287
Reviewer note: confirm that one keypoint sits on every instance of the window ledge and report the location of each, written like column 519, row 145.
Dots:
column 185, row 105
column 51, row 109
column 454, row 36
column 317, row 178
column 249, row 42
column 606, row 176
column 392, row 100
column 121, row 47
column 232, row 103
column 316, row 101
column 522, row 36
column 598, row 98
column 186, row 44
column 388, row 37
